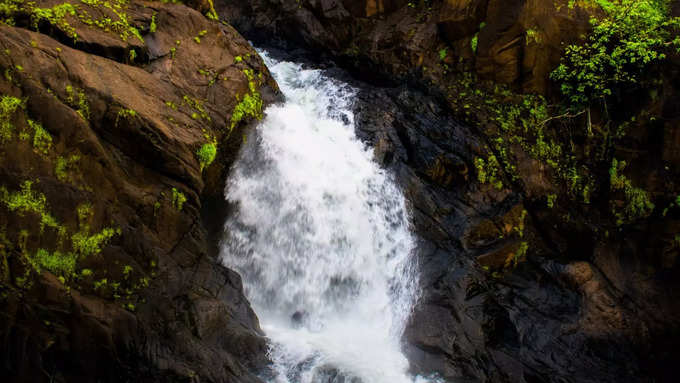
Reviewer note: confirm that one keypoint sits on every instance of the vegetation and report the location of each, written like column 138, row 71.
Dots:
column 112, row 16
column 632, row 35
column 628, row 38
column 178, row 199
column 197, row 106
column 206, row 154
column 250, row 105
column 42, row 140
column 488, row 171
column 29, row 201
column 64, row 167
column 76, row 99
column 636, row 202
column 8, row 106
column 126, row 114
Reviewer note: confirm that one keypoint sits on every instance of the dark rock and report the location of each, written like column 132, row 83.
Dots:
column 155, row 304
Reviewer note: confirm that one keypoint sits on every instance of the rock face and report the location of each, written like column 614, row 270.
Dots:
column 609, row 317
column 119, row 122
column 514, row 288
column 516, row 42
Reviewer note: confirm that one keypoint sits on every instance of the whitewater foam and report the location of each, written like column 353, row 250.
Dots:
column 321, row 238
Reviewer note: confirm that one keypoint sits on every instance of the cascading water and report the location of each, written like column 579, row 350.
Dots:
column 321, row 237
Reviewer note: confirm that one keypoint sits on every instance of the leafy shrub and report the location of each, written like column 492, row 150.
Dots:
column 632, row 35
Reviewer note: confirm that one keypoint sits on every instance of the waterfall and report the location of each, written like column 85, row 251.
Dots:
column 320, row 235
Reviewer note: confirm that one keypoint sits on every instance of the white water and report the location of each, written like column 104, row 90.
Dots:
column 321, row 230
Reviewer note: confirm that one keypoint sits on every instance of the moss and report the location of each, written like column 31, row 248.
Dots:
column 488, row 171
column 212, row 14
column 86, row 245
column 126, row 114
column 42, row 140
column 551, row 198
column 178, row 199
column 153, row 26
column 29, row 201
column 55, row 16
column 206, row 154
column 65, row 166
column 533, row 35
column 121, row 26
column 76, row 99
column 474, row 42
column 127, row 270
column 58, row 263
column 250, row 105
column 156, row 208
column 197, row 105
column 8, row 106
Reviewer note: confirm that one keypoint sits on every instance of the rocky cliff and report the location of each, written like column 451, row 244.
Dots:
column 549, row 228
column 119, row 120
column 549, row 222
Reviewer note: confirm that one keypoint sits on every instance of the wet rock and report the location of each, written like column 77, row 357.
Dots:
column 483, row 317
column 117, row 148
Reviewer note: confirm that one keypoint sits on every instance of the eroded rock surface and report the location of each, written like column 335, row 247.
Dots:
column 109, row 194
column 605, row 318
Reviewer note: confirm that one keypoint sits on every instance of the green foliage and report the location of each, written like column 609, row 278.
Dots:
column 29, row 201
column 58, row 263
column 153, row 26
column 55, row 16
column 8, row 106
column 533, row 35
column 197, row 105
column 178, row 199
column 636, row 204
column 212, row 14
column 8, row 8
column 474, row 42
column 206, row 154
column 632, row 35
column 126, row 114
column 86, row 245
column 64, row 166
column 475, row 39
column 202, row 33
column 121, row 26
column 76, row 99
column 42, row 140
column 250, row 105
column 442, row 54
column 488, row 171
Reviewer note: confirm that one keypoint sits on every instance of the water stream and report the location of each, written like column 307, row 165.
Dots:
column 321, row 237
